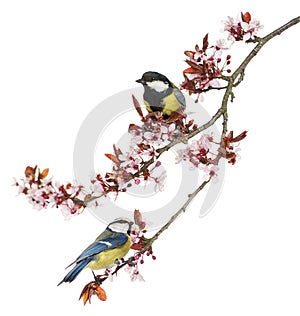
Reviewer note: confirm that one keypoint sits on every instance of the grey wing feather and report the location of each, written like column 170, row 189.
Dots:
column 180, row 97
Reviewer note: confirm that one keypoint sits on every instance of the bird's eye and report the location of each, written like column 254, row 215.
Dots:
column 152, row 79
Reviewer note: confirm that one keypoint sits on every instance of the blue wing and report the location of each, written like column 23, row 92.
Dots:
column 72, row 275
column 114, row 241
column 102, row 243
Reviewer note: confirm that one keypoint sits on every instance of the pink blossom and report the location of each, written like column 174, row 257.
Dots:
column 206, row 66
column 153, row 132
column 136, row 276
column 69, row 208
column 42, row 192
column 160, row 181
column 223, row 44
column 210, row 171
column 252, row 28
column 134, row 272
column 197, row 151
column 240, row 29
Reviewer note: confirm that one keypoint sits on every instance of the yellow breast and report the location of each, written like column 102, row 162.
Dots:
column 171, row 104
column 106, row 258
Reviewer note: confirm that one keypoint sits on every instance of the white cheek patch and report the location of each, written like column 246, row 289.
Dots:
column 158, row 86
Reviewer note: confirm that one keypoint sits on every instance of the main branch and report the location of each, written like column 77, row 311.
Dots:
column 233, row 80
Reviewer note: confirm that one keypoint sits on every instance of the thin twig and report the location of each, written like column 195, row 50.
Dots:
column 183, row 208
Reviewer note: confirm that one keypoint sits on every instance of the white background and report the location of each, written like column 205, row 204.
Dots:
column 59, row 59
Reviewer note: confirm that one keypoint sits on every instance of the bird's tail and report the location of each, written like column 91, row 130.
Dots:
column 71, row 276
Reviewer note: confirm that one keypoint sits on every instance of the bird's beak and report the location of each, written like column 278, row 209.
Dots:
column 140, row 81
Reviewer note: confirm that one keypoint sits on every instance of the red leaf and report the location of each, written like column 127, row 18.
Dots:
column 205, row 42
column 195, row 66
column 239, row 137
column 175, row 116
column 137, row 130
column 190, row 70
column 246, row 17
column 137, row 106
column 229, row 136
column 113, row 158
column 136, row 247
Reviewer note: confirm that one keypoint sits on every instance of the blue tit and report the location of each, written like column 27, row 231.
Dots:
column 110, row 246
column 160, row 94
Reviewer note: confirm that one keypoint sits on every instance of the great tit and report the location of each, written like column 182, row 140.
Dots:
column 110, row 246
column 160, row 94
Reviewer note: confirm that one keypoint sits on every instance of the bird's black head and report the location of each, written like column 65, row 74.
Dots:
column 150, row 77
column 120, row 225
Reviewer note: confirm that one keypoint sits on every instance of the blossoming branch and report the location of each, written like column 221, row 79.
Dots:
column 208, row 70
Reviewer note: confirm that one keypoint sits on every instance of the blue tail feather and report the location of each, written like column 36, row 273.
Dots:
column 71, row 276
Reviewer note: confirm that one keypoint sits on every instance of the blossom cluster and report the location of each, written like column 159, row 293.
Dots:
column 153, row 133
column 204, row 153
column 242, row 28
column 206, row 66
column 129, row 168
column 200, row 154
column 197, row 152
column 210, row 63
column 229, row 146
column 138, row 243
column 42, row 192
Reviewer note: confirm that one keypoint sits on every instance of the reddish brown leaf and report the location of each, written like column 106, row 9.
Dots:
column 85, row 293
column 44, row 173
column 137, row 216
column 143, row 146
column 133, row 127
column 137, row 106
column 175, row 116
column 30, row 171
column 113, row 158
column 229, row 136
column 197, row 68
column 142, row 225
column 87, row 197
column 117, row 151
column 91, row 289
column 189, row 123
column 239, row 137
column 138, row 219
column 99, row 291
column 246, row 17
column 190, row 70
column 205, row 42
column 189, row 53
column 136, row 247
